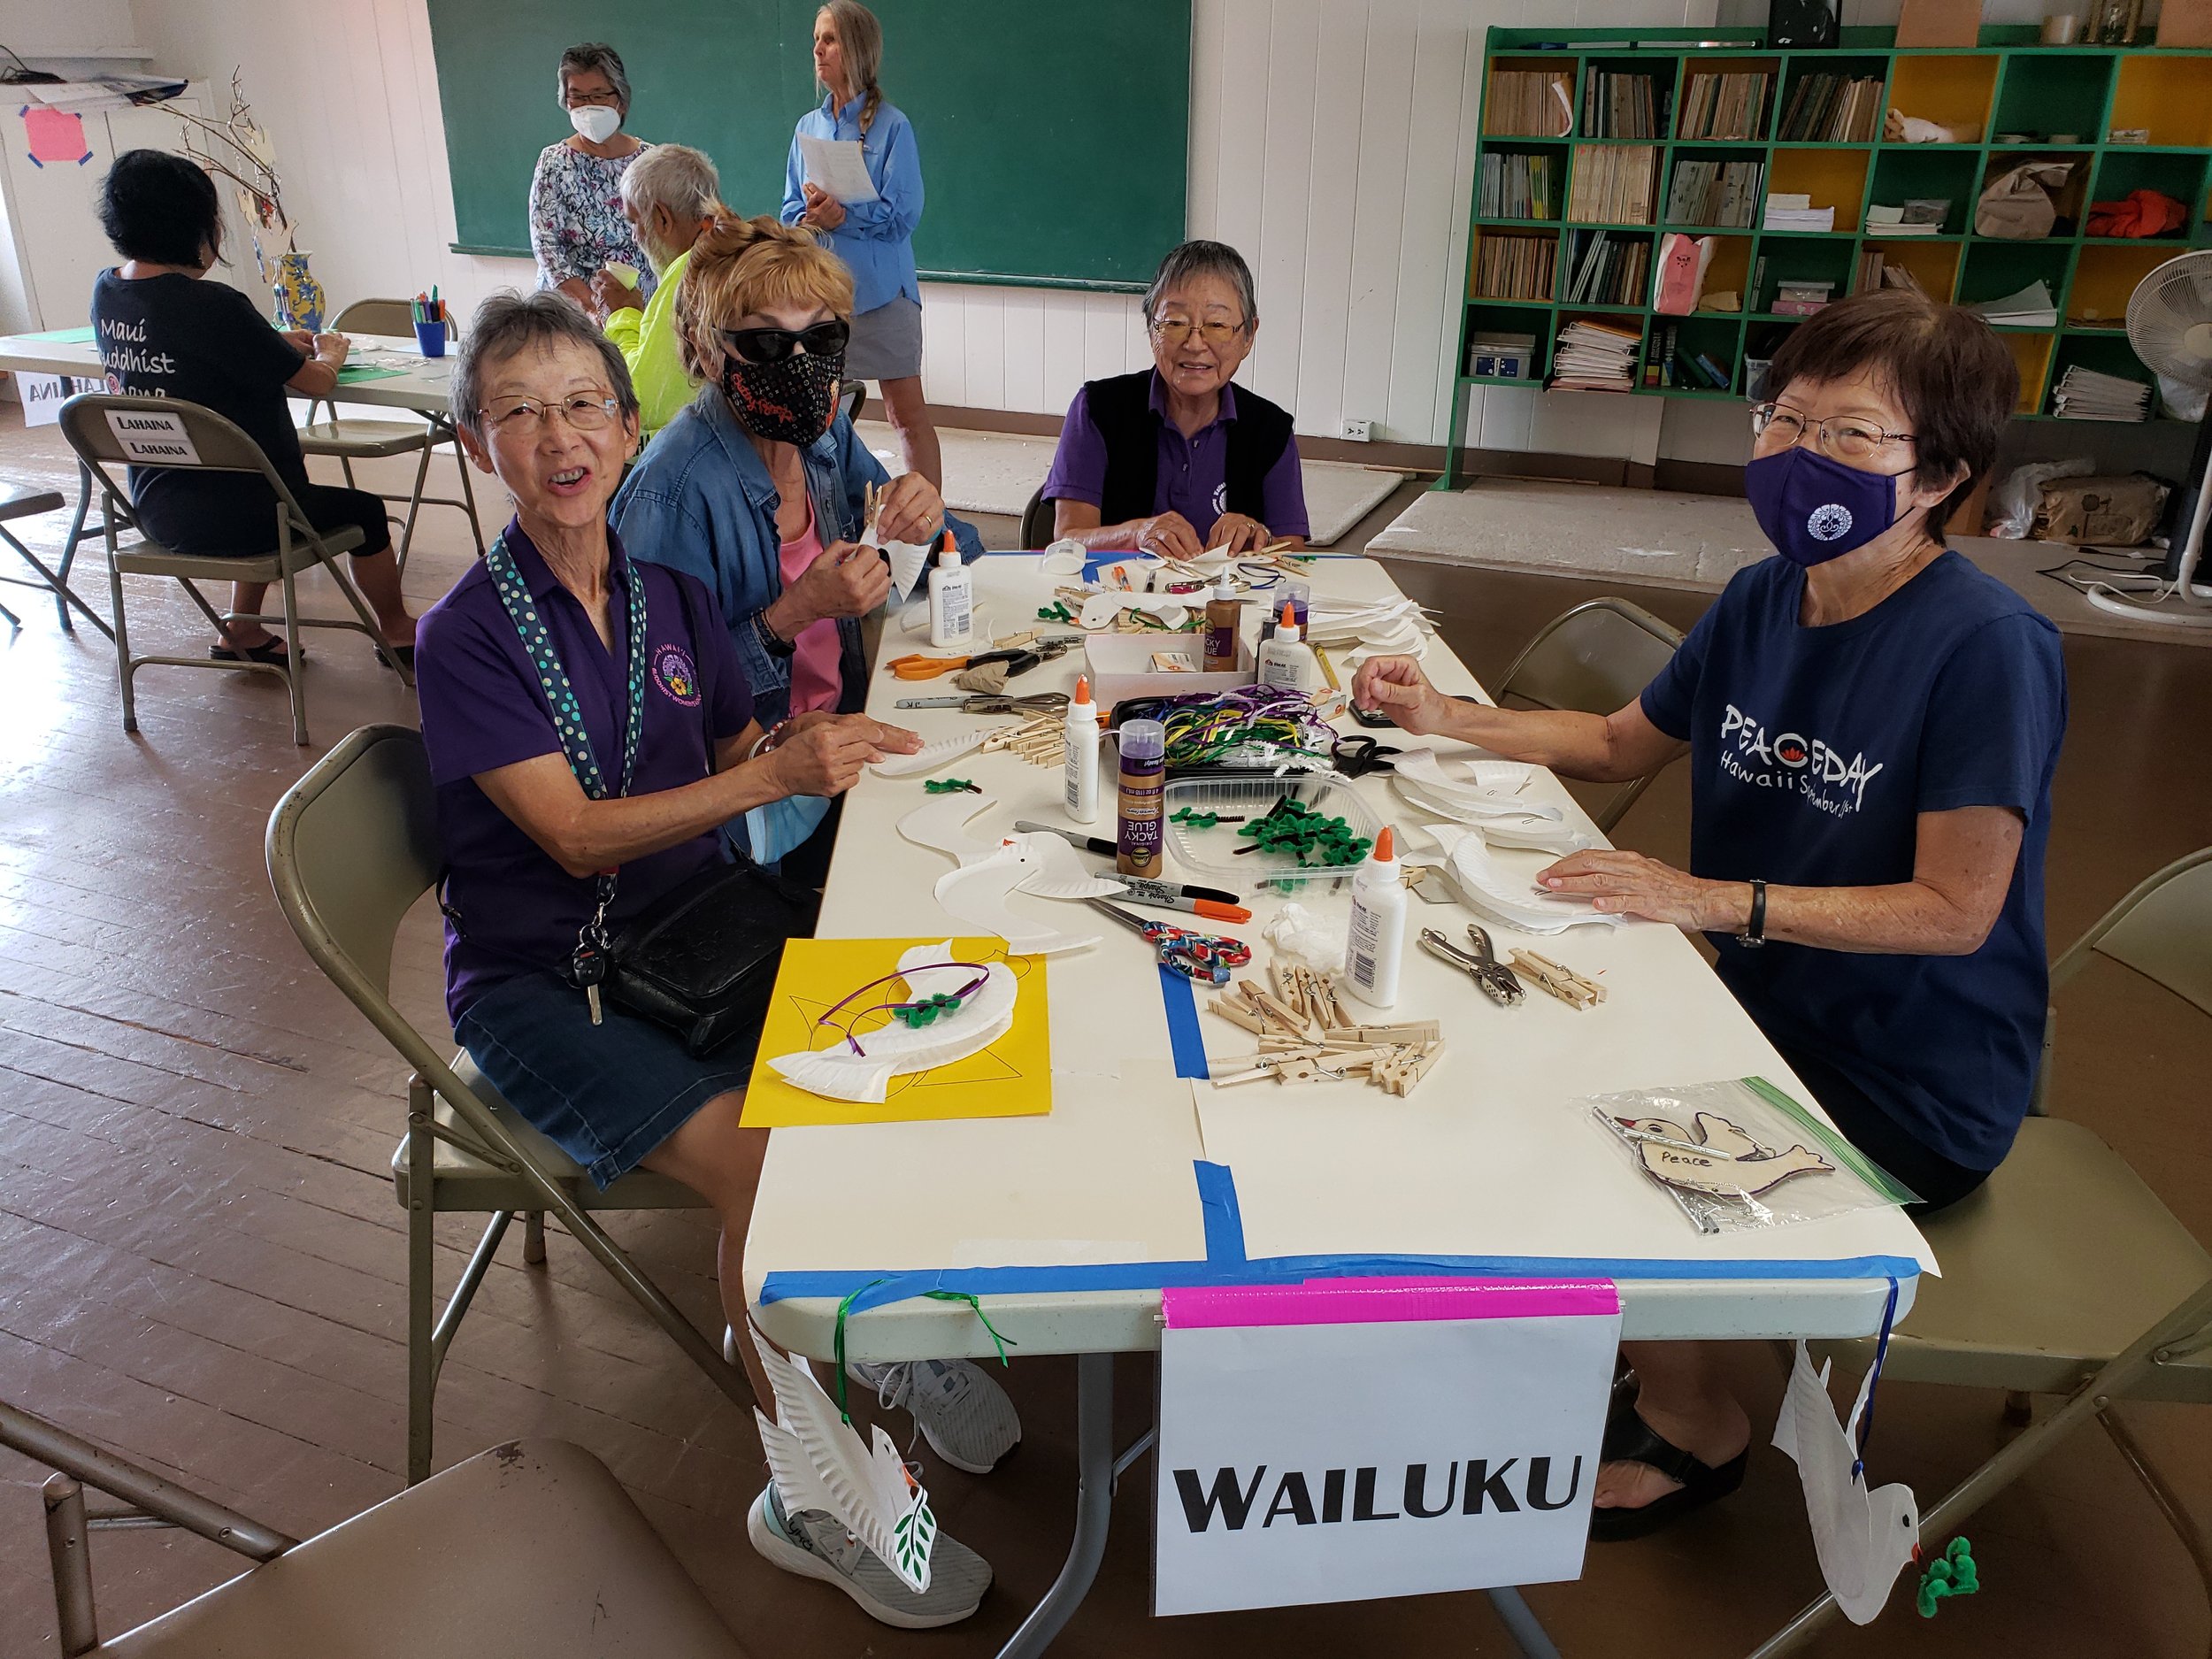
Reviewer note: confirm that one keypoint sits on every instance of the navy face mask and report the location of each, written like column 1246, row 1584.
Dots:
column 1813, row 509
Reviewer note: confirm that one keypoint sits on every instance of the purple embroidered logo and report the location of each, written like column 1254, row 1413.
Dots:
column 674, row 672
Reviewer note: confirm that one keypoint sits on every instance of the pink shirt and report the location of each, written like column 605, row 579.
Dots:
column 814, row 681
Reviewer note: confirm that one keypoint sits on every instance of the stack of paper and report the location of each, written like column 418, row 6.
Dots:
column 1889, row 222
column 1795, row 297
column 2085, row 394
column 1795, row 210
column 2031, row 307
column 1595, row 358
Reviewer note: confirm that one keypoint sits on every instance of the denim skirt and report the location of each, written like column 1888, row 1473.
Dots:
column 606, row 1095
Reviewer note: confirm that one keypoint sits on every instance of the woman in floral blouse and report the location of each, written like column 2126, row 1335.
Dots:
column 576, row 224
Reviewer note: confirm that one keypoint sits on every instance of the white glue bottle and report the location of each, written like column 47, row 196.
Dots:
column 1288, row 661
column 951, row 598
column 1377, row 941
column 1081, row 732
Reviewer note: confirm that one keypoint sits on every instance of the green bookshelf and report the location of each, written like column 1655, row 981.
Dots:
column 2014, row 92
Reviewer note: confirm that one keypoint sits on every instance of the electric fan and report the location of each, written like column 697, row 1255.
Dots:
column 2170, row 325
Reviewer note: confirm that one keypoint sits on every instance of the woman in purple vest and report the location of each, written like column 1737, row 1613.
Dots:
column 1175, row 460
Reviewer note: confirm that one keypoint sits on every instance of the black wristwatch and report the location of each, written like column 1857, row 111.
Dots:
column 1754, row 933
column 771, row 641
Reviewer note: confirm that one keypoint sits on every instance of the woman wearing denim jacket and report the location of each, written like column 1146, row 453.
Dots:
column 758, row 486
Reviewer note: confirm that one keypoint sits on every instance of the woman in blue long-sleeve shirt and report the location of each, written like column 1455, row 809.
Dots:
column 875, row 238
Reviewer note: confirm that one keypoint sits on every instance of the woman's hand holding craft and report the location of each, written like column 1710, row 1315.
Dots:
column 825, row 756
column 332, row 349
column 837, row 584
column 299, row 340
column 1170, row 534
column 613, row 295
column 1236, row 532
column 912, row 511
column 1396, row 686
column 1630, row 884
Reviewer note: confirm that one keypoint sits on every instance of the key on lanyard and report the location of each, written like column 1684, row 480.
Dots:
column 588, row 966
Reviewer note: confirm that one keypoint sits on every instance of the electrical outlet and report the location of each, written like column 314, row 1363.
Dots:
column 1359, row 431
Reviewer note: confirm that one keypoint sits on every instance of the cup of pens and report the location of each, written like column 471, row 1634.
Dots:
column 431, row 323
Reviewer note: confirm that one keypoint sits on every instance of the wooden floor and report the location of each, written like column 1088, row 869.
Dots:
column 202, row 1265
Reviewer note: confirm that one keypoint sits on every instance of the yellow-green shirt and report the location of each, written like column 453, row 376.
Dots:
column 647, row 340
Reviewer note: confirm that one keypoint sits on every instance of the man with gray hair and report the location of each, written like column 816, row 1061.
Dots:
column 670, row 195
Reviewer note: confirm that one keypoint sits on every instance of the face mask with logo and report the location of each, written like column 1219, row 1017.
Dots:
column 790, row 402
column 595, row 121
column 1813, row 509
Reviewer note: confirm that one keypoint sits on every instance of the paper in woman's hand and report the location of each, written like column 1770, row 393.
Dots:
column 836, row 168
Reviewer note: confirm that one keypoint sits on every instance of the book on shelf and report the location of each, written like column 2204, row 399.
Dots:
column 1802, row 219
column 1725, row 106
column 1607, row 268
column 1508, row 267
column 1614, row 184
column 2085, row 394
column 1506, row 356
column 1723, row 193
column 1826, row 109
column 1620, row 105
column 1516, row 187
column 1922, row 216
column 1868, row 277
column 1593, row 357
column 1528, row 104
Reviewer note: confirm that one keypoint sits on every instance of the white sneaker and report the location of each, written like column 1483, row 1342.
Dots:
column 964, row 1415
column 815, row 1545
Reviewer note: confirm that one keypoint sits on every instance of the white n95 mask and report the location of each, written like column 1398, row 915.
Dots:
column 595, row 121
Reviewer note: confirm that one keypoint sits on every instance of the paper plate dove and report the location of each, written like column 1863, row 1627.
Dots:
column 1860, row 1537
column 893, row 1050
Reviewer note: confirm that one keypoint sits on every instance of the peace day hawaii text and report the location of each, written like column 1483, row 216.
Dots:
column 1811, row 767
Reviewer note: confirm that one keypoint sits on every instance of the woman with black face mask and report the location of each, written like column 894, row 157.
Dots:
column 759, row 487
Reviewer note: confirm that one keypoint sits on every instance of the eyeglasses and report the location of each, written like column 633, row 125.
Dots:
column 584, row 412
column 1173, row 331
column 773, row 345
column 1845, row 435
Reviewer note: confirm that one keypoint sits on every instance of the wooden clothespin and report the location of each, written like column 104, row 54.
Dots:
column 1574, row 989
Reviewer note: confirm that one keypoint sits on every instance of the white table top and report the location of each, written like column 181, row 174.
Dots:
column 421, row 383
column 1488, row 1159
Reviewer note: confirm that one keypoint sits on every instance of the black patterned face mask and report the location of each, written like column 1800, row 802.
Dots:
column 790, row 402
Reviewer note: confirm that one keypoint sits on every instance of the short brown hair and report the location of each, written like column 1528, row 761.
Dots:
column 1953, row 378
column 741, row 266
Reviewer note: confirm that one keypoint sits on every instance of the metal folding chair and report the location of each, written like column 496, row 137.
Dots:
column 21, row 502
column 217, row 445
column 1037, row 521
column 2064, row 1274
column 361, row 439
column 530, row 1547
column 1594, row 659
column 352, row 847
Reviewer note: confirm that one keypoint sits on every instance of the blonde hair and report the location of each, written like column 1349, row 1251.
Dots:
column 741, row 265
column 860, row 37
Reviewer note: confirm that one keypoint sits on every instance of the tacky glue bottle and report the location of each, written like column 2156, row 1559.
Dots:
column 1377, row 941
column 1223, row 613
column 1288, row 661
column 951, row 598
column 1081, row 732
column 1143, row 781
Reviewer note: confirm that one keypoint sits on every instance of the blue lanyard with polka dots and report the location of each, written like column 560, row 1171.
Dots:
column 588, row 966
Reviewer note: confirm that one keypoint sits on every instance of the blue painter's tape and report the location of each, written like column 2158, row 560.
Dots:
column 1183, row 1035
column 1224, row 1222
column 885, row 1287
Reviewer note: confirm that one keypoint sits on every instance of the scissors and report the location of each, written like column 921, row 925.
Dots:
column 1017, row 661
column 1035, row 703
column 1495, row 980
column 1204, row 957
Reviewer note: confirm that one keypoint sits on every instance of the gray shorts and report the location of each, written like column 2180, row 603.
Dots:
column 886, row 344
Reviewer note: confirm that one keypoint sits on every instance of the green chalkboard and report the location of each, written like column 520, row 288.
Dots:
column 1054, row 137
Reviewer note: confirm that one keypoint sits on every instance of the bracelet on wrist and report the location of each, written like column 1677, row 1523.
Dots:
column 769, row 740
column 771, row 642
column 1754, row 933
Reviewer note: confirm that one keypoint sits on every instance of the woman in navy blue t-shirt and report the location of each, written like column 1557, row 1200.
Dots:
column 1872, row 724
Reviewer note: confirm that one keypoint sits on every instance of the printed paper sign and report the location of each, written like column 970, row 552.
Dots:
column 153, row 437
column 1396, row 1450
column 44, row 395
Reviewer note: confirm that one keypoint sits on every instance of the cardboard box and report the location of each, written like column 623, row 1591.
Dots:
column 1120, row 666
column 1939, row 23
column 2185, row 23
column 2102, row 512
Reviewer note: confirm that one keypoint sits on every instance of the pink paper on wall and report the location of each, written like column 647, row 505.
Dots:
column 1385, row 1301
column 55, row 135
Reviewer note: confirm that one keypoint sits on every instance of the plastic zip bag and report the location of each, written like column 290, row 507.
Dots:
column 1739, row 1153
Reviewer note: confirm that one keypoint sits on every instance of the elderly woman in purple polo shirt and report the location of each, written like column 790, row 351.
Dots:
column 1175, row 460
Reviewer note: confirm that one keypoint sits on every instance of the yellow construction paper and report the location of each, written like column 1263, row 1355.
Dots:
column 1011, row 1078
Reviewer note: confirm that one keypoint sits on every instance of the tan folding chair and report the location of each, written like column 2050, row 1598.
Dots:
column 530, row 1547
column 89, row 421
column 21, row 501
column 361, row 439
column 1594, row 659
column 2064, row 1274
column 352, row 847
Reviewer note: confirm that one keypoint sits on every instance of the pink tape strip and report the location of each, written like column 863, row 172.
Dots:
column 1379, row 1301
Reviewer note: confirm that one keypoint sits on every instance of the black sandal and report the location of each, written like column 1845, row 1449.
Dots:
column 1629, row 1440
column 269, row 653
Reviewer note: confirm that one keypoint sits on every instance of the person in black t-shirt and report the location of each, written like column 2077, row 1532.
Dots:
column 165, row 331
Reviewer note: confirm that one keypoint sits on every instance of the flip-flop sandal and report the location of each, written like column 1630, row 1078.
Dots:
column 269, row 653
column 1629, row 1440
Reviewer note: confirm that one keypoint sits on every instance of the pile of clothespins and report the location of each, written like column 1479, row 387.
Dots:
column 1572, row 988
column 1305, row 1035
column 1041, row 740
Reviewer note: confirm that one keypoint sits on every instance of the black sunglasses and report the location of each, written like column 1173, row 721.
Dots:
column 773, row 345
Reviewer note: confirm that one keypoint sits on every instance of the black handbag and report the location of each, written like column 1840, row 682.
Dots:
column 702, row 958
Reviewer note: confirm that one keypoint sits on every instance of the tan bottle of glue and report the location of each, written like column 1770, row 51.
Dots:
column 1377, row 932
column 1288, row 661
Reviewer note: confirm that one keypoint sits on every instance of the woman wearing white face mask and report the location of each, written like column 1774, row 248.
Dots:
column 577, row 229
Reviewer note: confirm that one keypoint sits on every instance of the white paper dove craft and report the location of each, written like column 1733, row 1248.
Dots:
column 1491, row 787
column 1485, row 886
column 930, row 757
column 840, row 1074
column 976, row 895
column 819, row 1463
column 1523, row 828
column 1058, row 874
column 908, row 560
column 1861, row 1536
column 941, row 826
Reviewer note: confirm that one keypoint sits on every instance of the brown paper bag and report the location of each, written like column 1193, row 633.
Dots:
column 2108, row 512
column 2018, row 203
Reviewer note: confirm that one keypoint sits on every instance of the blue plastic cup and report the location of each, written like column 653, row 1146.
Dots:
column 431, row 338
